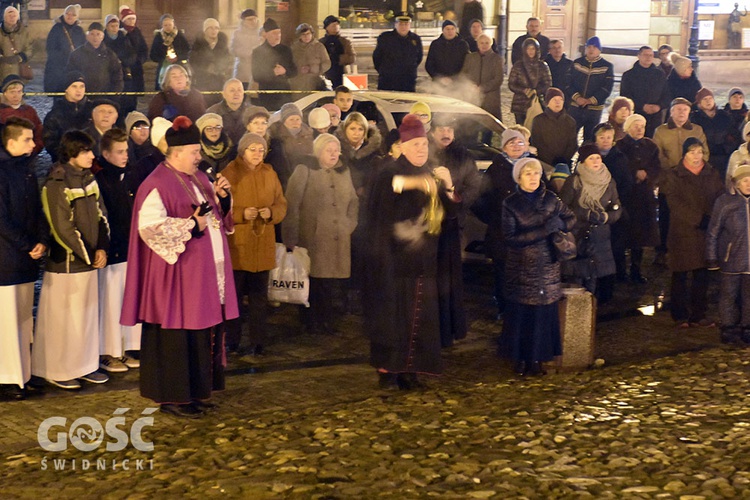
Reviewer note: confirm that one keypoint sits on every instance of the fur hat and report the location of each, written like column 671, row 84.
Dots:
column 287, row 110
column 553, row 92
column 210, row 23
column 509, row 135
column 741, row 172
column 631, row 120
column 302, row 28
column 680, row 63
column 133, row 118
column 524, row 163
column 689, row 143
column 159, row 128
column 183, row 132
column 126, row 12
column 10, row 80
column 248, row 13
column 249, row 139
column 702, row 93
column 621, row 102
column 330, row 20
column 421, row 108
column 411, row 128
column 319, row 118
column 270, row 25
column 252, row 112
column 587, row 150
column 594, row 40
column 209, row 120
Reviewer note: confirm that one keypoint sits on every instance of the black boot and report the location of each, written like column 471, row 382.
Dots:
column 731, row 334
column 537, row 368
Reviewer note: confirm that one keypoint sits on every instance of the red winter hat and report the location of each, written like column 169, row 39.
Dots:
column 411, row 128
column 126, row 12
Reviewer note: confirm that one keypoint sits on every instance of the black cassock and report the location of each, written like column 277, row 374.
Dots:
column 400, row 290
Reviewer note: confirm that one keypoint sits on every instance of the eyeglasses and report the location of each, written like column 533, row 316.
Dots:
column 257, row 150
column 424, row 115
column 142, row 127
column 216, row 128
column 517, row 143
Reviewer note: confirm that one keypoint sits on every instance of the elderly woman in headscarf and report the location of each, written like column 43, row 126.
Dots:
column 65, row 36
column 176, row 97
column 217, row 149
column 170, row 47
column 259, row 202
column 530, row 76
column 311, row 58
column 592, row 195
column 531, row 215
column 321, row 218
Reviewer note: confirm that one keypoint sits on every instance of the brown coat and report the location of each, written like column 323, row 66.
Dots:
column 691, row 199
column 669, row 137
column 486, row 71
column 252, row 246
column 314, row 57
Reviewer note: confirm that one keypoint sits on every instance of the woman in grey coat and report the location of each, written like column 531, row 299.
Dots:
column 485, row 70
column 321, row 216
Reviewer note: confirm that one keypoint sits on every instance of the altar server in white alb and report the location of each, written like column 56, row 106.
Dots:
column 118, row 184
column 66, row 345
column 24, row 236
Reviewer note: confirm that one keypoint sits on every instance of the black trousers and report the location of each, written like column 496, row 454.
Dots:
column 179, row 366
column 255, row 286
column 689, row 300
column 322, row 291
column 586, row 118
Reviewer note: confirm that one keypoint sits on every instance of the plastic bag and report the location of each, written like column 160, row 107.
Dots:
column 289, row 281
column 535, row 108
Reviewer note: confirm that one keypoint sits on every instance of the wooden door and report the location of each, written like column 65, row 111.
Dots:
column 557, row 22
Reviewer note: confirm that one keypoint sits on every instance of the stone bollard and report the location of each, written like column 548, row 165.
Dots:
column 577, row 326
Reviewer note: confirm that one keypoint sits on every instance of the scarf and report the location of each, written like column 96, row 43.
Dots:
column 511, row 160
column 112, row 37
column 692, row 169
column 130, row 29
column 593, row 186
column 216, row 150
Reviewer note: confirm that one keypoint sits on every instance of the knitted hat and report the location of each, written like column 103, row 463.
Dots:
column 680, row 63
column 689, row 143
column 421, row 108
column 525, row 163
column 587, row 150
column 411, row 128
column 287, row 110
column 270, row 25
column 71, row 77
column 126, row 12
column 133, row 118
column 74, row 7
column 159, row 127
column 321, row 141
column 509, row 135
column 302, row 28
column 330, row 20
column 252, row 112
column 631, row 120
column 562, row 172
column 746, row 130
column 209, row 120
column 105, row 102
column 621, row 102
column 10, row 80
column 448, row 22
column 553, row 92
column 110, row 18
column 741, row 172
column 703, row 92
column 182, row 132
column 210, row 23
column 95, row 26
column 249, row 139
column 332, row 108
column 319, row 118
column 248, row 13
column 594, row 40
column 680, row 100
column 735, row 90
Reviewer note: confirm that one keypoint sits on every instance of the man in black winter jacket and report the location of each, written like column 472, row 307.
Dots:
column 71, row 111
column 446, row 56
column 273, row 66
column 646, row 85
column 97, row 62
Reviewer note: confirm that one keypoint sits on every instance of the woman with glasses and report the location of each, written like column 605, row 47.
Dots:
column 217, row 149
column 258, row 203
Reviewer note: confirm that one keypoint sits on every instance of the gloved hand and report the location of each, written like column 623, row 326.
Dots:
column 596, row 218
column 704, row 222
column 554, row 225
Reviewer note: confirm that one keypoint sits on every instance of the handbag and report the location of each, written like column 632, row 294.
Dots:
column 25, row 70
column 535, row 108
column 289, row 281
column 563, row 246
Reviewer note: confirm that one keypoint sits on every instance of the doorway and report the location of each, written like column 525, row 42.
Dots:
column 557, row 22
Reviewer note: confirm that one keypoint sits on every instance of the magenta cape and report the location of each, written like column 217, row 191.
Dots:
column 184, row 295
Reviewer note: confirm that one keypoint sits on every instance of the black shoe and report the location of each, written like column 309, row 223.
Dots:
column 537, row 368
column 257, row 350
column 745, row 335
column 520, row 368
column 202, row 405
column 388, row 381
column 186, row 411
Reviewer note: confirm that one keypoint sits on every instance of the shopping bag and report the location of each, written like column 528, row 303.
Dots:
column 289, row 281
column 535, row 108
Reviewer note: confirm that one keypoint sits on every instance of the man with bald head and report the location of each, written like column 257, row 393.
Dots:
column 230, row 109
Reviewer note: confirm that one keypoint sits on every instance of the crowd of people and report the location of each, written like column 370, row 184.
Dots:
column 157, row 232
